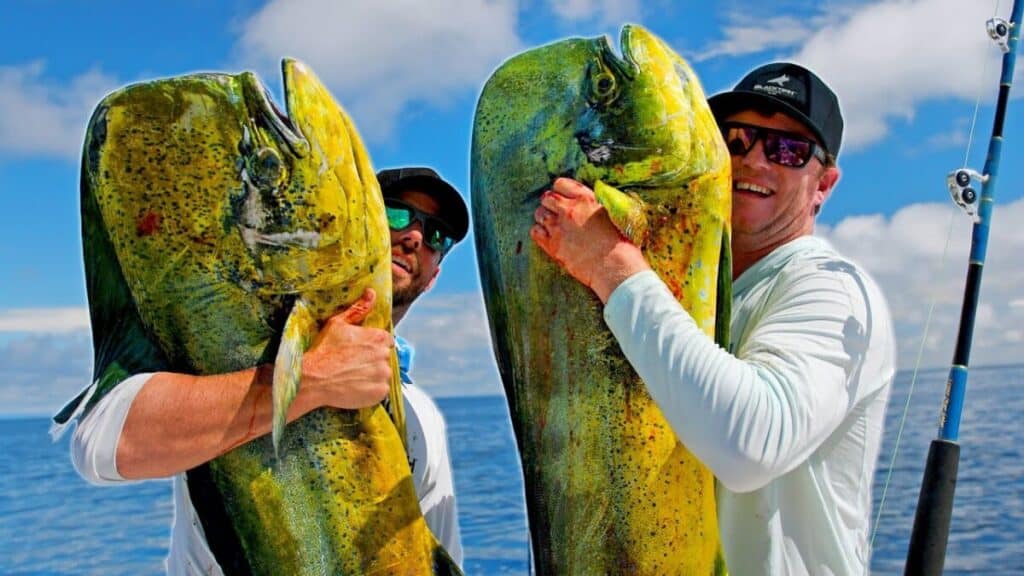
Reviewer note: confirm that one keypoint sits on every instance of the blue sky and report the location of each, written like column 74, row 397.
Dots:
column 909, row 75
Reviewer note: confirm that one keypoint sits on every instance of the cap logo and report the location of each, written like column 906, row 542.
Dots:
column 777, row 87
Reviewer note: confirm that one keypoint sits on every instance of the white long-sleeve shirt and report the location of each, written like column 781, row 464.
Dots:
column 94, row 454
column 791, row 421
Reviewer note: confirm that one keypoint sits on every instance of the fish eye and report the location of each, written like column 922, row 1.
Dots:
column 604, row 88
column 268, row 168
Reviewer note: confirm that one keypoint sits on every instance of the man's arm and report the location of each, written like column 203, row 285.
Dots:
column 755, row 418
column 179, row 421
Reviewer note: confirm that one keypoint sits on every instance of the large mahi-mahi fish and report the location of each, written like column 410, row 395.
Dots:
column 609, row 489
column 217, row 233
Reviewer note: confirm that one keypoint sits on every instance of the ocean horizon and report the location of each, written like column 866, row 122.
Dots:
column 53, row 522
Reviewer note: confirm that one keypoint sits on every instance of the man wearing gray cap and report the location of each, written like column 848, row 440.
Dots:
column 790, row 418
column 164, row 424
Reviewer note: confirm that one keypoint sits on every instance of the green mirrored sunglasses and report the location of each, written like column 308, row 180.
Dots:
column 436, row 233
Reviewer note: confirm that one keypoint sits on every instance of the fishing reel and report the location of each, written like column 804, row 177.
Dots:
column 960, row 190
column 999, row 31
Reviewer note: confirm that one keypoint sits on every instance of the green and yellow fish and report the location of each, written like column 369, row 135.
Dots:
column 609, row 489
column 218, row 232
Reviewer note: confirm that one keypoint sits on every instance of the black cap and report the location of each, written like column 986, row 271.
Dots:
column 791, row 89
column 453, row 208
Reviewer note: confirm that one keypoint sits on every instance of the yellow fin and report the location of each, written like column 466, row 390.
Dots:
column 396, row 404
column 626, row 211
column 299, row 330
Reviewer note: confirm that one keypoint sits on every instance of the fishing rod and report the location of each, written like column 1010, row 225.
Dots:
column 927, row 551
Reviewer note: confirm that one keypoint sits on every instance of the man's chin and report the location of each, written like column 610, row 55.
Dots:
column 403, row 295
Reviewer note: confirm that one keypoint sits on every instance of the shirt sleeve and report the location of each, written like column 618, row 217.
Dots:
column 755, row 416
column 94, row 444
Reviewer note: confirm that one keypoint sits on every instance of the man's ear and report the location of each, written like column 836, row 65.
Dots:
column 826, row 182
column 433, row 278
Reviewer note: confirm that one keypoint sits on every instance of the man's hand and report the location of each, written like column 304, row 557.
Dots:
column 574, row 229
column 349, row 366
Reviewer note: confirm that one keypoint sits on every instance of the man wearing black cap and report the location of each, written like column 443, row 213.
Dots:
column 419, row 195
column 163, row 424
column 790, row 419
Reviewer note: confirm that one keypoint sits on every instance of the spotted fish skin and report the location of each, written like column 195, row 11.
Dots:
column 609, row 489
column 211, row 221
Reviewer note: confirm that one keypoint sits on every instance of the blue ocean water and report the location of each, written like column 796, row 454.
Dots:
column 52, row 522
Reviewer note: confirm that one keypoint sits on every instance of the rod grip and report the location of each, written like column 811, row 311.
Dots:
column 927, row 552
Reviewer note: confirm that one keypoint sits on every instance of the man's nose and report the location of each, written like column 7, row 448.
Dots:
column 756, row 156
column 412, row 235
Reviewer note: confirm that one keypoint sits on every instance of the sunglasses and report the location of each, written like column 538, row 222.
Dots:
column 436, row 233
column 783, row 148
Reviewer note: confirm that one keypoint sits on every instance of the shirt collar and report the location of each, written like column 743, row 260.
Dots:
column 405, row 353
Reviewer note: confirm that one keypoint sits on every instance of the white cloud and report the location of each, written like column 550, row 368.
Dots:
column 40, row 373
column 41, row 117
column 890, row 56
column 884, row 58
column 749, row 35
column 380, row 58
column 44, row 320
column 453, row 345
column 920, row 277
column 603, row 11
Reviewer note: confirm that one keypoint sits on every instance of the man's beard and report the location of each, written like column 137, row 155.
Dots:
column 407, row 295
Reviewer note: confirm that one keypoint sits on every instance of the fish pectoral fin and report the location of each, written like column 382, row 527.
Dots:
column 723, row 300
column 298, row 333
column 627, row 211
column 396, row 403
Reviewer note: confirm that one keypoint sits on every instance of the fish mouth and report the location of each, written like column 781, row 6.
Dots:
column 624, row 65
column 291, row 132
column 296, row 239
column 267, row 114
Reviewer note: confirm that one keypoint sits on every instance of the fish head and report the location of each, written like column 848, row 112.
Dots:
column 647, row 122
column 207, row 211
column 309, row 208
column 634, row 117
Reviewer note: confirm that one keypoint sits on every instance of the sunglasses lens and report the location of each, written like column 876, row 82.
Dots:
column 398, row 218
column 435, row 233
column 740, row 139
column 779, row 147
column 437, row 238
column 787, row 151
